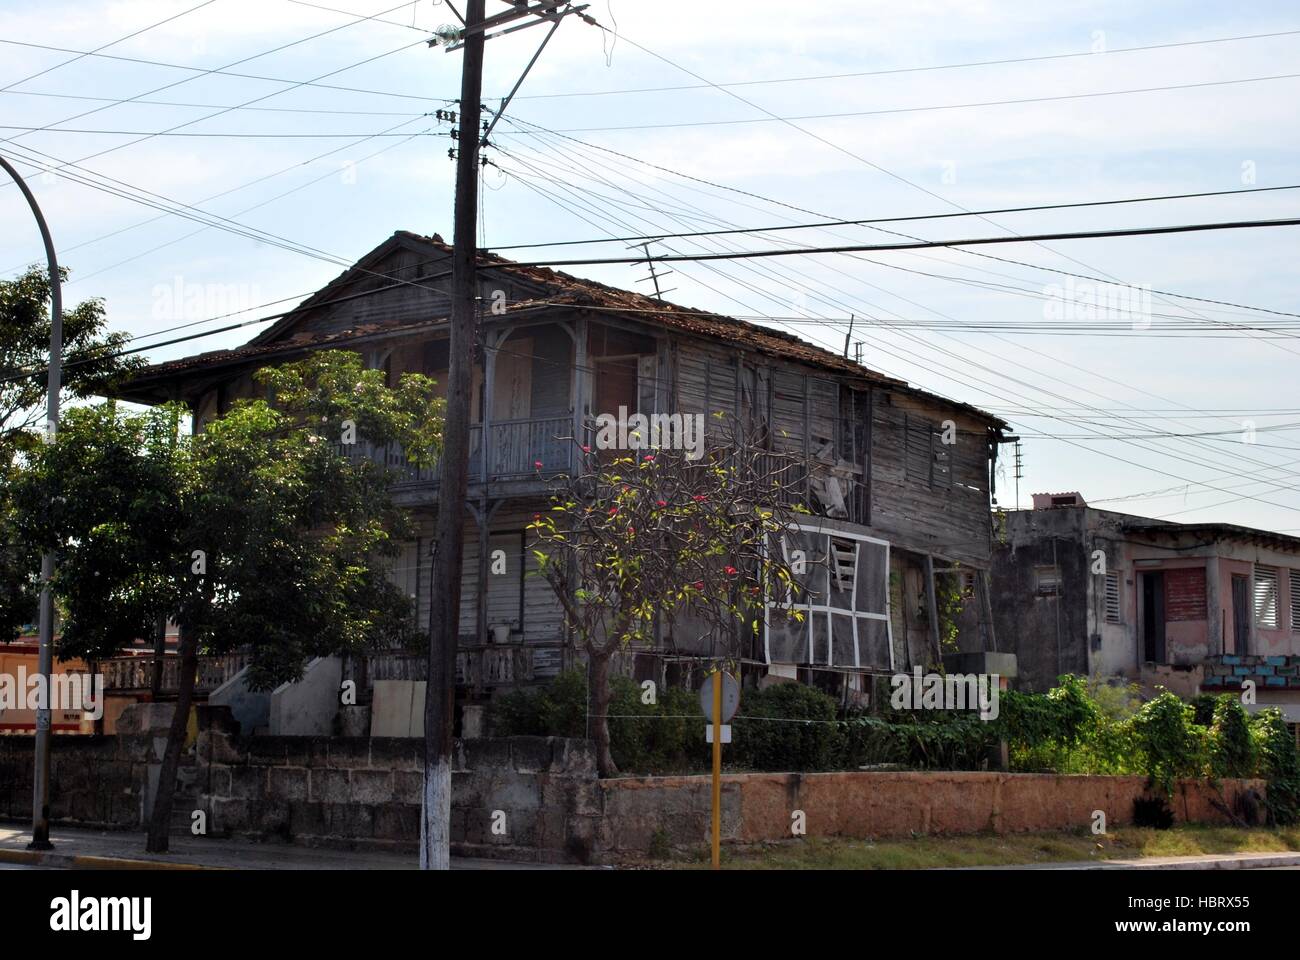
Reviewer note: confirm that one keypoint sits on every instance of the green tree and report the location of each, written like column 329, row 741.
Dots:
column 90, row 362
column 258, row 534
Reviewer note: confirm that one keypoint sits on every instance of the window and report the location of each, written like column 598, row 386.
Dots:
column 1047, row 581
column 928, row 458
column 842, row 591
column 1112, row 598
column 1266, row 597
column 843, row 559
column 1295, row 599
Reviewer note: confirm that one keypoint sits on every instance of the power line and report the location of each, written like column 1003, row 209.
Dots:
column 1140, row 465
column 232, row 135
column 804, row 210
column 223, row 72
column 900, row 70
column 856, row 223
column 204, row 106
column 224, row 110
column 929, row 244
column 849, row 153
column 679, row 124
column 111, row 43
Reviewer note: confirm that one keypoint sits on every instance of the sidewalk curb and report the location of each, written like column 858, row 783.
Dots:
column 70, row 861
column 1205, row 862
column 1225, row 862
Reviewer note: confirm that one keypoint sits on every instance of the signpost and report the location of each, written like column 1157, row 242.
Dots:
column 719, row 700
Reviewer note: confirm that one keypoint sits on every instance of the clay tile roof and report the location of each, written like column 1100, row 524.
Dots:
column 563, row 290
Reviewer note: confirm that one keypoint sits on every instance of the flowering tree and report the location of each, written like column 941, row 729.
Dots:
column 656, row 532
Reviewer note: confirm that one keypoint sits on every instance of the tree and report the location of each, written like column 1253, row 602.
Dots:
column 258, row 534
column 90, row 363
column 655, row 532
column 90, row 360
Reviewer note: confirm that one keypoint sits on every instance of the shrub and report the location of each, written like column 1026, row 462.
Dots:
column 1231, row 748
column 1278, row 762
column 1170, row 742
column 768, row 736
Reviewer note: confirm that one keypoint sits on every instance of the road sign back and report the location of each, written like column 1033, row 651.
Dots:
column 730, row 697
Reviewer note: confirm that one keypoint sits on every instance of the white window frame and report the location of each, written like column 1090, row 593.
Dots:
column 815, row 608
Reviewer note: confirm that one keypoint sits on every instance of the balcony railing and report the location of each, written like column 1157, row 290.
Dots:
column 477, row 665
column 514, row 448
column 135, row 674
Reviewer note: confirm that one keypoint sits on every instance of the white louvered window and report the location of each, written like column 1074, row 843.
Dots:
column 1112, row 598
column 1266, row 600
column 1295, row 599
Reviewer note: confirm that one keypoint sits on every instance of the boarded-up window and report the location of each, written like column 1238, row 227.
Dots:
column 1185, row 594
column 1266, row 598
column 843, row 594
column 1112, row 598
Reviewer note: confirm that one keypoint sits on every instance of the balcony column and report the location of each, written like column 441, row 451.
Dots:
column 580, row 379
column 492, row 341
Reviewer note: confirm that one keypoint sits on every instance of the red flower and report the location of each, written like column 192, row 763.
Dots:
column 648, row 458
column 730, row 570
column 537, row 516
column 699, row 498
column 613, row 510
column 661, row 503
column 699, row 584
column 586, row 449
column 631, row 531
column 537, row 464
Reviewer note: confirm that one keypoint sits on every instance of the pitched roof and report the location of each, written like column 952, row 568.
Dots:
column 560, row 290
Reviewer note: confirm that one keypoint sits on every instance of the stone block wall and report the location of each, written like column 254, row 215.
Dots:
column 859, row 804
column 523, row 798
column 535, row 798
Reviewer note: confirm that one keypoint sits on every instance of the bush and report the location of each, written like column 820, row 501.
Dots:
column 1078, row 727
column 1231, row 748
column 1279, row 763
column 768, row 736
column 1171, row 743
column 662, row 737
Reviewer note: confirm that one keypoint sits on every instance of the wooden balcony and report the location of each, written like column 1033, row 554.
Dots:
column 514, row 448
column 482, row 666
column 134, row 675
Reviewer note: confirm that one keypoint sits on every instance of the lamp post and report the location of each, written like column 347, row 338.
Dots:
column 45, row 664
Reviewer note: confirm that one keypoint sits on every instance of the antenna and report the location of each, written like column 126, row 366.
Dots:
column 654, row 274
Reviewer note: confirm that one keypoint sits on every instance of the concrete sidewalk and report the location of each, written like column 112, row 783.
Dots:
column 111, row 850
column 1225, row 861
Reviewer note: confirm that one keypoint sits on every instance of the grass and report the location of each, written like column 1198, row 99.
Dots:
column 988, row 850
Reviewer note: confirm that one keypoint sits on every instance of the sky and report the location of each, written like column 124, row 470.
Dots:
column 307, row 131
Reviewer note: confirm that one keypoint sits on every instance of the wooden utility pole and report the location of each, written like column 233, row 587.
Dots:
column 444, row 613
column 444, row 597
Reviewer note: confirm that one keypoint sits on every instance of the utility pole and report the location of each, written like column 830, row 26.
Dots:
column 45, row 655
column 444, row 614
column 444, row 599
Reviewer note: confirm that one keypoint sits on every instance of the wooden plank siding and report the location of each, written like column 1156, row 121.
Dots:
column 904, row 485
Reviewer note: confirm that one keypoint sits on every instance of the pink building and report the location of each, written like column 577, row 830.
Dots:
column 1201, row 607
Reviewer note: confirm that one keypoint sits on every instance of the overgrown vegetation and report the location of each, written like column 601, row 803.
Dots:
column 1081, row 726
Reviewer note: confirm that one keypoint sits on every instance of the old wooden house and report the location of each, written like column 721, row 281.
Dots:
column 899, row 480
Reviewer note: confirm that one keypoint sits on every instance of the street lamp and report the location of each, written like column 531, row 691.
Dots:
column 45, row 663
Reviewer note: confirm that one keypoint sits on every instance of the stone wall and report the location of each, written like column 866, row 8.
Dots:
column 534, row 798
column 529, row 798
column 760, row 806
